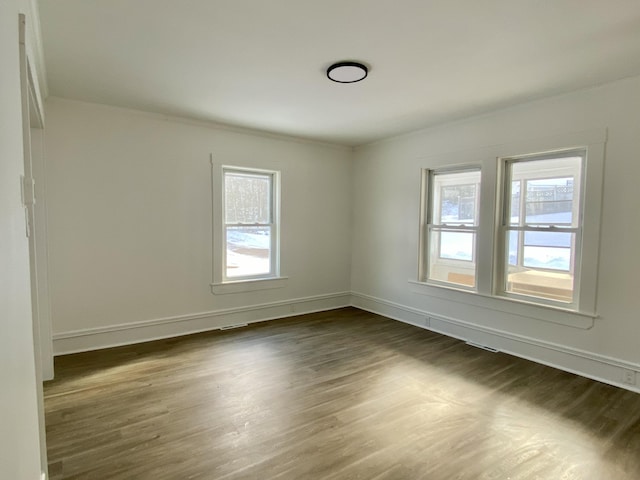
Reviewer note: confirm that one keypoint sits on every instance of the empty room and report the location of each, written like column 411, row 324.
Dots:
column 297, row 239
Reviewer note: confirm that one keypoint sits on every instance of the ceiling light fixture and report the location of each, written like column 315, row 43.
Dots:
column 347, row 72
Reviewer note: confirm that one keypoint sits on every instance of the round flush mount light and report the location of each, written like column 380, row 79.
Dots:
column 347, row 72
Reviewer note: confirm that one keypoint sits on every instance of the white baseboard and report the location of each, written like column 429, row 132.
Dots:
column 147, row 330
column 597, row 367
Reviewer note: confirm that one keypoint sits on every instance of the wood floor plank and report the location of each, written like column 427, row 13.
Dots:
column 341, row 395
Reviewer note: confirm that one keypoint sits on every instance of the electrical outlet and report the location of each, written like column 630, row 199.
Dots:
column 628, row 376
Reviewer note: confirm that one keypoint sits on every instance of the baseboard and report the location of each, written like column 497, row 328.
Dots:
column 597, row 367
column 143, row 331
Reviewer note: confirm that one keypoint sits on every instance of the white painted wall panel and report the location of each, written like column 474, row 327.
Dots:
column 19, row 434
column 129, row 204
column 386, row 210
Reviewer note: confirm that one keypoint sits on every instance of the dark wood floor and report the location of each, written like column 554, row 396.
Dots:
column 335, row 395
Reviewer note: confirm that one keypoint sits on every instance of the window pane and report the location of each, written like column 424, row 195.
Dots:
column 548, row 239
column 247, row 198
column 458, row 204
column 547, row 191
column 455, row 198
column 451, row 257
column 456, row 245
column 541, row 250
column 548, row 258
column 248, row 251
column 549, row 201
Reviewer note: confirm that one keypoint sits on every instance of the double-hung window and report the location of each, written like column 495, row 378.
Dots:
column 528, row 232
column 451, row 203
column 250, row 211
column 541, row 227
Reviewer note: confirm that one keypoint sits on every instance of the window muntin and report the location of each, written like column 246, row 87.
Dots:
column 452, row 213
column 541, row 226
column 250, row 224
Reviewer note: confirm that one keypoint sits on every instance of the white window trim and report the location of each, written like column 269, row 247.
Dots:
column 519, row 308
column 242, row 286
column 227, row 285
column 486, row 296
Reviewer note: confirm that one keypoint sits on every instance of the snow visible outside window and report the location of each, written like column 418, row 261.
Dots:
column 248, row 251
column 457, row 207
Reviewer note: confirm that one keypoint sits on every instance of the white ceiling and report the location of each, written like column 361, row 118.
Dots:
column 261, row 63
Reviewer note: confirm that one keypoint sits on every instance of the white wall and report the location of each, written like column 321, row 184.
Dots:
column 130, row 224
column 19, row 434
column 385, row 238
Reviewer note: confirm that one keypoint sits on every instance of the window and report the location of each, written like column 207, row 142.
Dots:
column 540, row 226
column 452, row 211
column 250, row 224
column 519, row 233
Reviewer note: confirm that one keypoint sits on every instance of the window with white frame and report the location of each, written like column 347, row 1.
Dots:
column 250, row 223
column 541, row 227
column 528, row 242
column 450, row 218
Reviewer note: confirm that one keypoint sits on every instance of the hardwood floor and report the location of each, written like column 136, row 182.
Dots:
column 335, row 395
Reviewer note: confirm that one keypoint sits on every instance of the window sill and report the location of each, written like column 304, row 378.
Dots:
column 513, row 306
column 241, row 286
